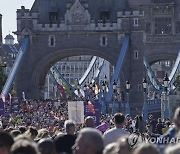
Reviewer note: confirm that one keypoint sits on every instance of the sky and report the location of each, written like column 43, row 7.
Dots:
column 8, row 10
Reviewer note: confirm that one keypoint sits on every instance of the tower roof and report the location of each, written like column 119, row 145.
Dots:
column 10, row 37
column 94, row 7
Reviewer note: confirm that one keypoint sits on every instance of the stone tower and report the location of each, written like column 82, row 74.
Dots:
column 0, row 27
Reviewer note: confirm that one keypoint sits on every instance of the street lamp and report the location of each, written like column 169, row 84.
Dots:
column 145, row 110
column 127, row 93
column 102, row 97
column 114, row 97
column 166, row 110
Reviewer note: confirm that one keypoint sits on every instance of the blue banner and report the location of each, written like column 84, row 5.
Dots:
column 96, row 114
column 1, row 108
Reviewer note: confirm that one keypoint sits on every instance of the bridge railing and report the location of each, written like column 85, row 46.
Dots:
column 16, row 66
column 154, row 105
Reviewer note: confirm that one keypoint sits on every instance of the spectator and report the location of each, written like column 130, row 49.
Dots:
column 167, row 124
column 173, row 149
column 141, row 125
column 65, row 142
column 15, row 133
column 46, row 146
column 124, row 146
column 31, row 132
column 113, row 134
column 22, row 129
column 111, row 148
column 6, row 142
column 89, row 122
column 42, row 133
column 173, row 130
column 146, row 149
column 159, row 127
column 89, row 141
column 23, row 146
column 152, row 123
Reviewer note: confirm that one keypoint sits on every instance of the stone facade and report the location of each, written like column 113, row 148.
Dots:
column 0, row 28
column 60, row 29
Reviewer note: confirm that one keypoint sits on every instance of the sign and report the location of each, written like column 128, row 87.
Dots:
column 1, row 108
column 76, row 111
column 95, row 114
column 103, row 127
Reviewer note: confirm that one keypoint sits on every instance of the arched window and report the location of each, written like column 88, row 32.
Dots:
column 103, row 40
column 52, row 41
column 163, row 25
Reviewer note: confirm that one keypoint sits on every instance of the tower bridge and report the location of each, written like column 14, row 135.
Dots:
column 61, row 29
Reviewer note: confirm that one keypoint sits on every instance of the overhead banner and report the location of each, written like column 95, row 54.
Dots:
column 76, row 111
column 93, row 109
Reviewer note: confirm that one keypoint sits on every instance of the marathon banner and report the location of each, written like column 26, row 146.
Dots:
column 1, row 108
column 76, row 111
column 93, row 109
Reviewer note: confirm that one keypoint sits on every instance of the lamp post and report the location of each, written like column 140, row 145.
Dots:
column 145, row 110
column 127, row 93
column 93, row 91
column 102, row 97
column 166, row 110
column 114, row 107
column 85, row 91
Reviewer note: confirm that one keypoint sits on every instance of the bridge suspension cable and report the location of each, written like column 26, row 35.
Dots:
column 174, row 73
column 88, row 70
column 12, row 76
column 118, row 67
column 152, row 77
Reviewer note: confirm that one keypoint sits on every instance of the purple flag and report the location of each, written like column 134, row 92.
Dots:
column 95, row 114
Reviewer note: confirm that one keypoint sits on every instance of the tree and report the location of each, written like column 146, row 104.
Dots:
column 177, row 82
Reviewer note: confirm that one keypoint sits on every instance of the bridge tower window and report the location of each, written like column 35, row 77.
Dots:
column 167, row 63
column 139, row 87
column 52, row 41
column 53, row 17
column 136, row 54
column 178, row 27
column 148, row 28
column 103, row 40
column 135, row 22
column 104, row 16
column 163, row 25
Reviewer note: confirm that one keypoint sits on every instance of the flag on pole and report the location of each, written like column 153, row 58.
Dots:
column 23, row 96
column 3, row 97
column 10, row 98
column 62, row 91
